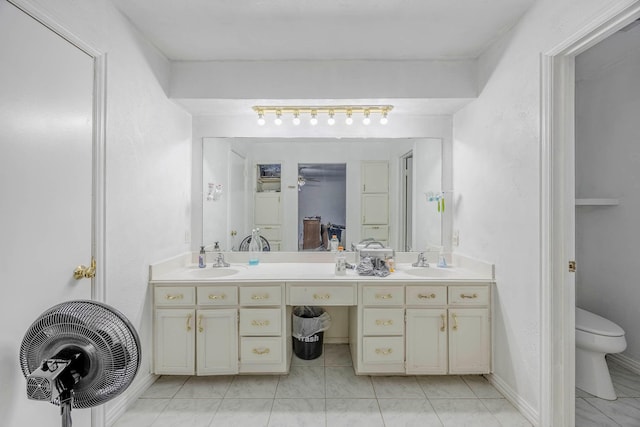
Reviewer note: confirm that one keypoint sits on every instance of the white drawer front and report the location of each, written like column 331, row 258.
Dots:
column 383, row 350
column 260, row 295
column 261, row 350
column 383, row 321
column 260, row 321
column 426, row 295
column 323, row 295
column 174, row 295
column 217, row 295
column 468, row 295
column 383, row 295
column 270, row 232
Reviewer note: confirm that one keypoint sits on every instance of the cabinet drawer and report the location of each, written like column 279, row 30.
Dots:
column 174, row 295
column 383, row 321
column 323, row 295
column 260, row 321
column 217, row 295
column 261, row 350
column 260, row 295
column 383, row 295
column 383, row 350
column 426, row 295
column 468, row 295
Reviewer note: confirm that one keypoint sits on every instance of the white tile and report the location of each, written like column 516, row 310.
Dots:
column 588, row 416
column 408, row 413
column 481, row 387
column 505, row 413
column 582, row 393
column 353, row 412
column 253, row 386
column 343, row 382
column 191, row 412
column 302, row 382
column 395, row 387
column 298, row 413
column 625, row 382
column 337, row 355
column 243, row 413
column 625, row 411
column 142, row 413
column 213, row 386
column 445, row 387
column 165, row 387
column 463, row 412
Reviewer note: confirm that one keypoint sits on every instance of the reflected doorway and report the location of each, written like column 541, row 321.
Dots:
column 406, row 205
column 322, row 204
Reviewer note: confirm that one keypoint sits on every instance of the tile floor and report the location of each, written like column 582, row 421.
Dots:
column 322, row 392
column 625, row 411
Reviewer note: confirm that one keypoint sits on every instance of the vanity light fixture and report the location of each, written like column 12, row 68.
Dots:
column 368, row 112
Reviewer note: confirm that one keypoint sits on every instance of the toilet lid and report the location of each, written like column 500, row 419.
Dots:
column 594, row 324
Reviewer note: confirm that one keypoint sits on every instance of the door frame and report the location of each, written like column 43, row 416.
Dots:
column 98, row 208
column 557, row 211
column 405, row 195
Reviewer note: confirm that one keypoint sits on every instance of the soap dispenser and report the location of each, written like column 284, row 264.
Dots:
column 202, row 258
column 442, row 261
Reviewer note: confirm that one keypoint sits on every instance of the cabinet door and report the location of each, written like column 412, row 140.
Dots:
column 217, row 341
column 174, row 341
column 469, row 341
column 375, row 177
column 426, row 341
column 267, row 209
column 375, row 209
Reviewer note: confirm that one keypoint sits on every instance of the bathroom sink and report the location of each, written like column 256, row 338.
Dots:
column 431, row 272
column 211, row 272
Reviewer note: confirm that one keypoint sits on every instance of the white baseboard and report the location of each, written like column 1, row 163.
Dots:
column 626, row 362
column 128, row 398
column 510, row 394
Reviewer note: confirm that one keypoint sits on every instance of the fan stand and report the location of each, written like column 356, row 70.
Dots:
column 66, row 402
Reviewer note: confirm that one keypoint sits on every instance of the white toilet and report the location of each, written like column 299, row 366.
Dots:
column 595, row 337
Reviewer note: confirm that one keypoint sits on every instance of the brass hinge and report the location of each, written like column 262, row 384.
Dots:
column 572, row 266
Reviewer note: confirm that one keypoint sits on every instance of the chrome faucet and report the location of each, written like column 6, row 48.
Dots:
column 421, row 262
column 219, row 262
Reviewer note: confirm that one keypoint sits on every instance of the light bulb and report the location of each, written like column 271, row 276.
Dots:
column 367, row 120
column 349, row 120
column 278, row 119
column 384, row 120
column 314, row 119
column 296, row 119
column 261, row 120
column 331, row 121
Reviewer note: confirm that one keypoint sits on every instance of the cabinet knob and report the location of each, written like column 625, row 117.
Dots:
column 455, row 321
column 318, row 296
column 384, row 296
column 173, row 297
column 215, row 297
column 381, row 322
column 463, row 296
column 260, row 322
column 443, row 325
column 426, row 296
column 259, row 297
column 261, row 351
column 189, row 321
column 200, row 327
column 384, row 351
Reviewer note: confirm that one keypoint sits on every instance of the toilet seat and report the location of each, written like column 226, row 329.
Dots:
column 597, row 325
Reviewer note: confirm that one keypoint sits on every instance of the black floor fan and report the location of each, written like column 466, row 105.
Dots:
column 79, row 354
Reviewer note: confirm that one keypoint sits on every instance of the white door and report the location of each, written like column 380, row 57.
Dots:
column 46, row 125
column 375, row 177
column 267, row 209
column 237, row 201
column 469, row 341
column 217, row 341
column 426, row 341
column 174, row 341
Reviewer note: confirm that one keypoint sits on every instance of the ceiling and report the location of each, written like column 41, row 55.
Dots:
column 278, row 30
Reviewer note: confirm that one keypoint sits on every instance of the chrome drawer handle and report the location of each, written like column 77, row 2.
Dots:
column 325, row 296
column 172, row 297
column 425, row 296
column 261, row 351
column 260, row 323
column 215, row 297
column 463, row 296
column 259, row 297
column 384, row 296
column 384, row 351
column 381, row 322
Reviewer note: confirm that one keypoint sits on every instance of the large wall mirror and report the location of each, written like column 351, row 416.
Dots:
column 281, row 185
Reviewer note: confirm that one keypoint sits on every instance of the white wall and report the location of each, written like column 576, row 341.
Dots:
column 148, row 159
column 496, row 179
column 608, row 165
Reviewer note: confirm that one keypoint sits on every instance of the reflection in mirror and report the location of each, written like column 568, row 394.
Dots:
column 322, row 204
column 414, row 223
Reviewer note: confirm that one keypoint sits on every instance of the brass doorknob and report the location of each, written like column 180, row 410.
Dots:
column 83, row 272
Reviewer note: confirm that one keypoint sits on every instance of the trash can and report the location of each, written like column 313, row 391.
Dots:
column 308, row 326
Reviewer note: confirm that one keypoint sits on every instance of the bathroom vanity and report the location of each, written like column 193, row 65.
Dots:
column 237, row 320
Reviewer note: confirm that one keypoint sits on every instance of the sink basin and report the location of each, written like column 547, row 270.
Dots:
column 431, row 272
column 212, row 272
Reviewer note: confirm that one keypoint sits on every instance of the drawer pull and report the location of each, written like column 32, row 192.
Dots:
column 425, row 296
column 381, row 322
column 189, row 321
column 172, row 297
column 260, row 322
column 443, row 326
column 259, row 297
column 463, row 296
column 384, row 296
column 455, row 321
column 261, row 351
column 215, row 297
column 384, row 351
column 318, row 296
column 200, row 327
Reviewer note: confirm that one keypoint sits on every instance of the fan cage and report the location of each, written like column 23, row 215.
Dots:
column 104, row 334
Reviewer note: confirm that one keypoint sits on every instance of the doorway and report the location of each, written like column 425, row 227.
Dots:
column 406, row 203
